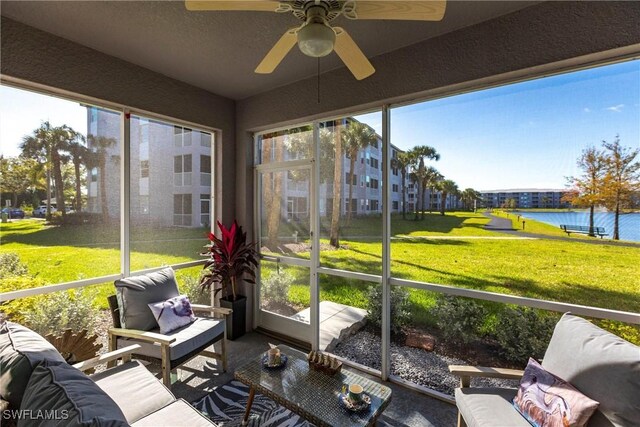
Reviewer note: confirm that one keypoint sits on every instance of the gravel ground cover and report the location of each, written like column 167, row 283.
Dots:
column 426, row 368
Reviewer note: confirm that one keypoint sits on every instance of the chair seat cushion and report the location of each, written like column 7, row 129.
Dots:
column 202, row 332
column 489, row 407
column 179, row 413
column 136, row 390
column 67, row 397
column 21, row 350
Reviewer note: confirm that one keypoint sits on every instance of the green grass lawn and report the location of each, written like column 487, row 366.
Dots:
column 574, row 271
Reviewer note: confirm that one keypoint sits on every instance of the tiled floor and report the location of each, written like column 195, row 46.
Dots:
column 407, row 409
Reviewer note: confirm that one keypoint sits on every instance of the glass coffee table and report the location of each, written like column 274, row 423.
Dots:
column 311, row 394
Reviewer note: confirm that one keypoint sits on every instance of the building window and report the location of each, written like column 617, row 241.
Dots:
column 394, row 188
column 374, row 183
column 205, row 210
column 205, row 171
column 144, row 169
column 373, row 205
column 368, row 180
column 182, row 209
column 374, row 163
column 394, row 205
column 182, row 170
column 143, row 202
column 297, row 208
column 394, row 171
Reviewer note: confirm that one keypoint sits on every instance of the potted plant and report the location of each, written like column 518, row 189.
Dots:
column 231, row 259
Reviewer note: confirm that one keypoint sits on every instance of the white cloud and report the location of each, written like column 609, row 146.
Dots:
column 586, row 109
column 616, row 108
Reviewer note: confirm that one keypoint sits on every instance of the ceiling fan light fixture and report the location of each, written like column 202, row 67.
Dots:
column 316, row 40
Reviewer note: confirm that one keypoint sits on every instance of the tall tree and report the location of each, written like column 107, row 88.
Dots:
column 446, row 187
column 621, row 180
column 99, row 153
column 334, row 233
column 79, row 154
column 418, row 155
column 355, row 137
column 588, row 187
column 469, row 197
column 48, row 145
column 15, row 176
column 432, row 180
column 402, row 162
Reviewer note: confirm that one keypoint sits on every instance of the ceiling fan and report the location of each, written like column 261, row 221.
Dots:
column 315, row 37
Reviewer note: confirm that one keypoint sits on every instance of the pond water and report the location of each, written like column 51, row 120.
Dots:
column 629, row 223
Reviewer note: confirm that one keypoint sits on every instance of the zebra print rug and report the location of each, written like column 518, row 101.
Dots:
column 225, row 406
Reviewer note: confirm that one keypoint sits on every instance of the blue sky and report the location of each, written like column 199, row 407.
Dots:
column 21, row 112
column 526, row 135
column 522, row 135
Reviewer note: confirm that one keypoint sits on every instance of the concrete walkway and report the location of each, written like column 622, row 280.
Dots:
column 337, row 321
column 503, row 225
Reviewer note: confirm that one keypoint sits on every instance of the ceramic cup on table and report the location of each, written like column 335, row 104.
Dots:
column 355, row 393
column 273, row 356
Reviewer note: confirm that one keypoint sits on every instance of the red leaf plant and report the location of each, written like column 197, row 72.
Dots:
column 230, row 258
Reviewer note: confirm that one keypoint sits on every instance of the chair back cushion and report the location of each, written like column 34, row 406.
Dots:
column 601, row 365
column 21, row 350
column 68, row 398
column 135, row 293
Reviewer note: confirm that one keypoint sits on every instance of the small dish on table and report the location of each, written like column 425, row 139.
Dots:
column 274, row 364
column 354, row 406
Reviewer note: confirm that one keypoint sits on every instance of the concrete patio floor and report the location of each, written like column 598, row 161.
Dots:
column 407, row 409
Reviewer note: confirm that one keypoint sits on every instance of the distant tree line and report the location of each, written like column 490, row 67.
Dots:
column 54, row 161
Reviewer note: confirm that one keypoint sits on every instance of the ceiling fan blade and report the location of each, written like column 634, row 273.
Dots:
column 404, row 10
column 255, row 5
column 278, row 52
column 351, row 55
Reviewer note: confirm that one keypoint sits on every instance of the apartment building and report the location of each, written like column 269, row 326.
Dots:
column 525, row 198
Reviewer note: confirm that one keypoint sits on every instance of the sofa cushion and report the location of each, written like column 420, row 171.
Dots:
column 188, row 339
column 21, row 350
column 136, row 390
column 172, row 313
column 135, row 293
column 179, row 413
column 601, row 365
column 545, row 400
column 481, row 407
column 69, row 398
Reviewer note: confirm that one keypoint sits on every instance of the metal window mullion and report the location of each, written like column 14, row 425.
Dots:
column 125, row 193
column 386, row 245
column 315, row 240
column 257, row 205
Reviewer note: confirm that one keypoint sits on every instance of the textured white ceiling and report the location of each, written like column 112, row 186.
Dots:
column 218, row 51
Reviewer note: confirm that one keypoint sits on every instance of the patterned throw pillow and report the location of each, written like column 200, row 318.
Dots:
column 172, row 313
column 548, row 401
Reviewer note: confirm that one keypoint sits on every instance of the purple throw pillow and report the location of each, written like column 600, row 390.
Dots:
column 548, row 401
column 172, row 313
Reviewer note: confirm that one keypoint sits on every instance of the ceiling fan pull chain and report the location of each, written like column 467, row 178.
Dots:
column 318, row 80
column 349, row 10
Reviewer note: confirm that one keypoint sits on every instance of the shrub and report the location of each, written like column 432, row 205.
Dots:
column 14, row 309
column 191, row 287
column 275, row 288
column 460, row 319
column 523, row 333
column 10, row 266
column 400, row 307
column 58, row 311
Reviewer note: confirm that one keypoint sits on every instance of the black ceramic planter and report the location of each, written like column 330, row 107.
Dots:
column 237, row 323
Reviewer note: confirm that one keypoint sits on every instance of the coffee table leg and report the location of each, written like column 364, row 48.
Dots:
column 252, row 392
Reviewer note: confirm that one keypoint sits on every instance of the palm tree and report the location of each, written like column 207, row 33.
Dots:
column 99, row 146
column 469, row 196
column 418, row 155
column 402, row 162
column 355, row 137
column 446, row 187
column 334, row 234
column 46, row 145
column 432, row 178
column 79, row 153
